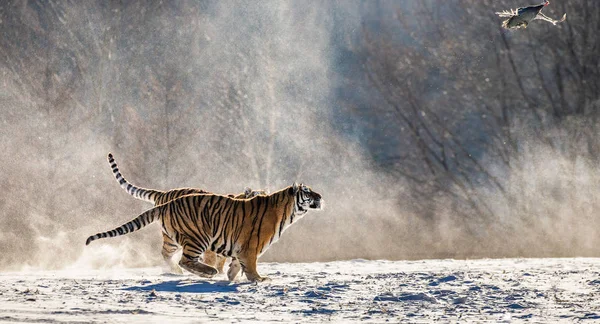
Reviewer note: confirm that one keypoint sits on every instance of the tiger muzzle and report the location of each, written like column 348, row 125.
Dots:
column 317, row 204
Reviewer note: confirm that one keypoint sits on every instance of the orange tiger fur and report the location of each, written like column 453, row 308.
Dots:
column 241, row 228
column 159, row 197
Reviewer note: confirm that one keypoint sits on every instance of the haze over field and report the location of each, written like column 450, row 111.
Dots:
column 429, row 130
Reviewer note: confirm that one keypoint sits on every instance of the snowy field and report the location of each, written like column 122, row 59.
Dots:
column 505, row 290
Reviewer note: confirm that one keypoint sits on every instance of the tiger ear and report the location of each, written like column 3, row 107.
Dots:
column 295, row 188
column 247, row 191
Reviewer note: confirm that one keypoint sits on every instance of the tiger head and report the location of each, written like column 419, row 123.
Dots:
column 306, row 198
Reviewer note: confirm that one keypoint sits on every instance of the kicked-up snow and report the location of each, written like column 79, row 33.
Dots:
column 501, row 290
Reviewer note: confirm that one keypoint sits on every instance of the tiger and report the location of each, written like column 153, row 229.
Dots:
column 158, row 197
column 233, row 227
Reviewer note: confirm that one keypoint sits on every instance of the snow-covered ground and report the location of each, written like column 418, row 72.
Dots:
column 505, row 290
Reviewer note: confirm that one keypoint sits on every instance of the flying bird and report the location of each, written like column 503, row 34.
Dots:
column 521, row 17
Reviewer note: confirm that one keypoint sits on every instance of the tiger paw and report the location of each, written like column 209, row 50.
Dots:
column 198, row 268
column 204, row 274
column 260, row 279
column 207, row 272
column 234, row 269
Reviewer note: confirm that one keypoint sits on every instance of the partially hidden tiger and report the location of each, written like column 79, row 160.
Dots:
column 233, row 227
column 159, row 197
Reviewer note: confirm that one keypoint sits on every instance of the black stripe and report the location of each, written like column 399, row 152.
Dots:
column 170, row 244
column 189, row 257
column 196, row 247
column 184, row 224
column 172, row 223
column 222, row 229
column 237, row 204
column 262, row 217
column 283, row 220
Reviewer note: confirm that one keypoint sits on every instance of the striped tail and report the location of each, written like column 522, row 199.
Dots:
column 148, row 195
column 146, row 218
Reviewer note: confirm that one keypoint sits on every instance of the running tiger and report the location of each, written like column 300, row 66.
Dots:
column 240, row 228
column 159, row 197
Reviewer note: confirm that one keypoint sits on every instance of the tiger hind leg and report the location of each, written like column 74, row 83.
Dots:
column 190, row 261
column 198, row 268
column 210, row 258
column 169, row 249
column 214, row 260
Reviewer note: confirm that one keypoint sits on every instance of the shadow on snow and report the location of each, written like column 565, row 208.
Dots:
column 186, row 286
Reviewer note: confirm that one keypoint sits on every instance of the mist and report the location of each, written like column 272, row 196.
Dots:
column 355, row 99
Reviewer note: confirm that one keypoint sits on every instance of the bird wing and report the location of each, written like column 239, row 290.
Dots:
column 507, row 13
column 536, row 8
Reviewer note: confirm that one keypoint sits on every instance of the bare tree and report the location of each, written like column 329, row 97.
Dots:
column 465, row 98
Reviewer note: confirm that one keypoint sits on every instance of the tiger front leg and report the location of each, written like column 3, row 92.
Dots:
column 190, row 261
column 248, row 263
column 234, row 269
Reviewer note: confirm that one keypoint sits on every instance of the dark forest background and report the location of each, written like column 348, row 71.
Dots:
column 430, row 131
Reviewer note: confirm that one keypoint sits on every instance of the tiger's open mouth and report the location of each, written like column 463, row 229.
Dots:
column 317, row 204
